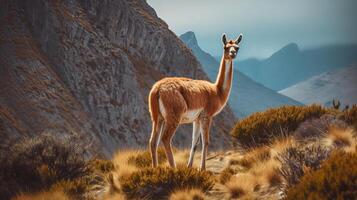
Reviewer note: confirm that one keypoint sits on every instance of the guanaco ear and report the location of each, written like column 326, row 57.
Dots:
column 239, row 39
column 224, row 39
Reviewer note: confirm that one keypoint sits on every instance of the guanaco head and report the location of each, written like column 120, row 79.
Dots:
column 231, row 47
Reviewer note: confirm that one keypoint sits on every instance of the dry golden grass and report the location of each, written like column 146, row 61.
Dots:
column 242, row 186
column 121, row 162
column 262, row 176
column 159, row 182
column 226, row 175
column 181, row 157
column 188, row 194
column 280, row 145
column 259, row 154
column 53, row 195
column 116, row 196
column 260, row 171
column 247, row 159
column 128, row 162
column 343, row 138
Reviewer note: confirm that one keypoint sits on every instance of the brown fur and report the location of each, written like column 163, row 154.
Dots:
column 180, row 95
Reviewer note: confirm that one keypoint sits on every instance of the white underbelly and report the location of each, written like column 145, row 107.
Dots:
column 191, row 115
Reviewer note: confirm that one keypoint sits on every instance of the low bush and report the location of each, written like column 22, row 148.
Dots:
column 350, row 116
column 336, row 179
column 318, row 127
column 296, row 161
column 103, row 166
column 157, row 183
column 262, row 127
column 243, row 186
column 192, row 194
column 53, row 195
column 36, row 164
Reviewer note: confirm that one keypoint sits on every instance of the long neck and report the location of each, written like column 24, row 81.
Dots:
column 224, row 78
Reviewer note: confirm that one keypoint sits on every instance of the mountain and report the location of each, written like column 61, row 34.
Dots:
column 340, row 84
column 247, row 96
column 291, row 65
column 85, row 68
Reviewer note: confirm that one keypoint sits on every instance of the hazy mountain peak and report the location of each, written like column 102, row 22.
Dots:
column 290, row 65
column 190, row 39
column 290, row 49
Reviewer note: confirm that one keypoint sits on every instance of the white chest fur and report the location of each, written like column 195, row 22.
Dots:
column 187, row 117
column 191, row 115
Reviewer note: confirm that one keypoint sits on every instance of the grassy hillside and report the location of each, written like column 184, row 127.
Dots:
column 306, row 159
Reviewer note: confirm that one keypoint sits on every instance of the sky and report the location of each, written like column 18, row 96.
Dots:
column 267, row 25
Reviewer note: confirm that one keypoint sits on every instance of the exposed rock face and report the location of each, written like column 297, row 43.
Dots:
column 85, row 67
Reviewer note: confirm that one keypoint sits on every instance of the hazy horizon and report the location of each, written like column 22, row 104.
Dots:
column 266, row 27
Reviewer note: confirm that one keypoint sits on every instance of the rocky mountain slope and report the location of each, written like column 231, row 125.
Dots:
column 85, row 67
column 338, row 84
column 247, row 96
column 291, row 65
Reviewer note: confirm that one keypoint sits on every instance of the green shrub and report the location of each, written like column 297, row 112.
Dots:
column 144, row 159
column 157, row 183
column 35, row 164
column 336, row 179
column 261, row 127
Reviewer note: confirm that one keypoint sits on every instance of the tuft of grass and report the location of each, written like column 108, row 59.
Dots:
column 143, row 159
column 261, row 127
column 297, row 161
column 350, row 116
column 181, row 157
column 187, row 194
column 281, row 145
column 341, row 138
column 336, row 179
column 242, row 186
column 226, row 175
column 116, row 196
column 159, row 182
column 122, row 165
column 36, row 164
column 259, row 154
column 273, row 177
column 103, row 166
column 53, row 195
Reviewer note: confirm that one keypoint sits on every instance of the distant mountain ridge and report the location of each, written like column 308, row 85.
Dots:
column 340, row 84
column 291, row 65
column 246, row 96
